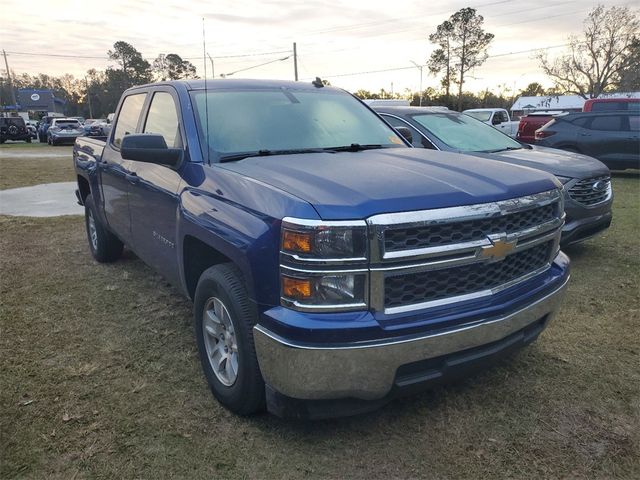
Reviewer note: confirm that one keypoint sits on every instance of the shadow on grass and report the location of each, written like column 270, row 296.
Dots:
column 429, row 403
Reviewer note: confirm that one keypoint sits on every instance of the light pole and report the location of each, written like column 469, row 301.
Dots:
column 419, row 67
column 212, row 72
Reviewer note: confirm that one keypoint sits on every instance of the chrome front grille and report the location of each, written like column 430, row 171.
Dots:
column 463, row 280
column 435, row 257
column 591, row 191
column 472, row 230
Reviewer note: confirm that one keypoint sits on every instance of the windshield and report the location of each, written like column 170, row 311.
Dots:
column 482, row 116
column 464, row 133
column 284, row 119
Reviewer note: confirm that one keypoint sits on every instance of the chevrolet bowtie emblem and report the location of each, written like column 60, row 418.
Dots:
column 498, row 249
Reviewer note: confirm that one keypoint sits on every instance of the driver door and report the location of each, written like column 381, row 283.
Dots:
column 154, row 193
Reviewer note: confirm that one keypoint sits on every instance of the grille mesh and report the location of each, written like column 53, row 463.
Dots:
column 584, row 193
column 438, row 284
column 396, row 239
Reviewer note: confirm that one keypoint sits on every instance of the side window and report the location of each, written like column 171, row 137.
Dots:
column 417, row 140
column 582, row 122
column 128, row 118
column 609, row 123
column 634, row 123
column 163, row 119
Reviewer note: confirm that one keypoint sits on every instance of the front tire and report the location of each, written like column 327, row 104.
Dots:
column 104, row 245
column 224, row 320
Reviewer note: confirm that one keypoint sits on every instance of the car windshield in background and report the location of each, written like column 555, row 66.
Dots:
column 464, row 133
column 482, row 116
column 279, row 120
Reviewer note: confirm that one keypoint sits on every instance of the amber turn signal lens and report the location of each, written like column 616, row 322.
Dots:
column 296, row 288
column 296, row 241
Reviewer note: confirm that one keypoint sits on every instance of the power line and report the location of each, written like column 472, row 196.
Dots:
column 60, row 55
column 408, row 68
column 256, row 66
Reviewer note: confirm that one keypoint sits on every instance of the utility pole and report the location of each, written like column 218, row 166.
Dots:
column 88, row 97
column 295, row 61
column 212, row 71
column 419, row 67
column 9, row 81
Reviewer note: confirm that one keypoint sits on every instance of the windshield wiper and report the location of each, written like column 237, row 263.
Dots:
column 505, row 149
column 265, row 153
column 354, row 147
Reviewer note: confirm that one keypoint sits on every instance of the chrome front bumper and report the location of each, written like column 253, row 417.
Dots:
column 367, row 371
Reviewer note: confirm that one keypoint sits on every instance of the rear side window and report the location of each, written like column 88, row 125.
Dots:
column 128, row 118
column 634, row 123
column 582, row 122
column 609, row 123
column 163, row 119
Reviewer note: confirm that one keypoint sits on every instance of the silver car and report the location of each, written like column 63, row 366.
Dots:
column 64, row 130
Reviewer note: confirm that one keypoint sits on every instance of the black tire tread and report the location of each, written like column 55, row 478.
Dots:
column 109, row 246
column 230, row 279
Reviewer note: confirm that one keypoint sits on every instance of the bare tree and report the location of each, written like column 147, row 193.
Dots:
column 599, row 59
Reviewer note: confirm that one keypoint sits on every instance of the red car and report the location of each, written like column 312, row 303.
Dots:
column 531, row 122
column 610, row 104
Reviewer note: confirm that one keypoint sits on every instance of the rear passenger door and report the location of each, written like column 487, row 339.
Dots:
column 153, row 197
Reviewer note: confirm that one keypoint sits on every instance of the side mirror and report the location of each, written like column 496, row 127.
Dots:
column 406, row 133
column 149, row 148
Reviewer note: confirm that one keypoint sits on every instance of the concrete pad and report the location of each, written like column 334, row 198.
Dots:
column 47, row 200
column 22, row 153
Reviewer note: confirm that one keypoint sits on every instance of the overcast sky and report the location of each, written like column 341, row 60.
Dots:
column 337, row 39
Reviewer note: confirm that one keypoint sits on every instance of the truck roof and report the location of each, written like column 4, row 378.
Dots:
column 226, row 83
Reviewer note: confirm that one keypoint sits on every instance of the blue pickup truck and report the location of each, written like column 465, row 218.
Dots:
column 331, row 266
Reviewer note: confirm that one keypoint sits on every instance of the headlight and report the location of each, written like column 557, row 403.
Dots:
column 563, row 180
column 315, row 240
column 323, row 291
column 323, row 265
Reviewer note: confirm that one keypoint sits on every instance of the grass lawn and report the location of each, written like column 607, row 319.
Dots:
column 21, row 165
column 100, row 378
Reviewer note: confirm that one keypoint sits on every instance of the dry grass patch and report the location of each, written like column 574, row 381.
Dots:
column 100, row 378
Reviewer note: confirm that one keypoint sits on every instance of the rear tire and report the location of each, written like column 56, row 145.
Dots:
column 224, row 319
column 104, row 245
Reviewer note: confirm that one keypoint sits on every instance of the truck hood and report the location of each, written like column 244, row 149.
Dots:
column 356, row 185
column 551, row 160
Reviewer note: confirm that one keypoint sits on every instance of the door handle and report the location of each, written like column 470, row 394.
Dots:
column 132, row 177
column 585, row 134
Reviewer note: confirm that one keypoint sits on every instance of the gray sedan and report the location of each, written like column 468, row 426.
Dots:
column 587, row 182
